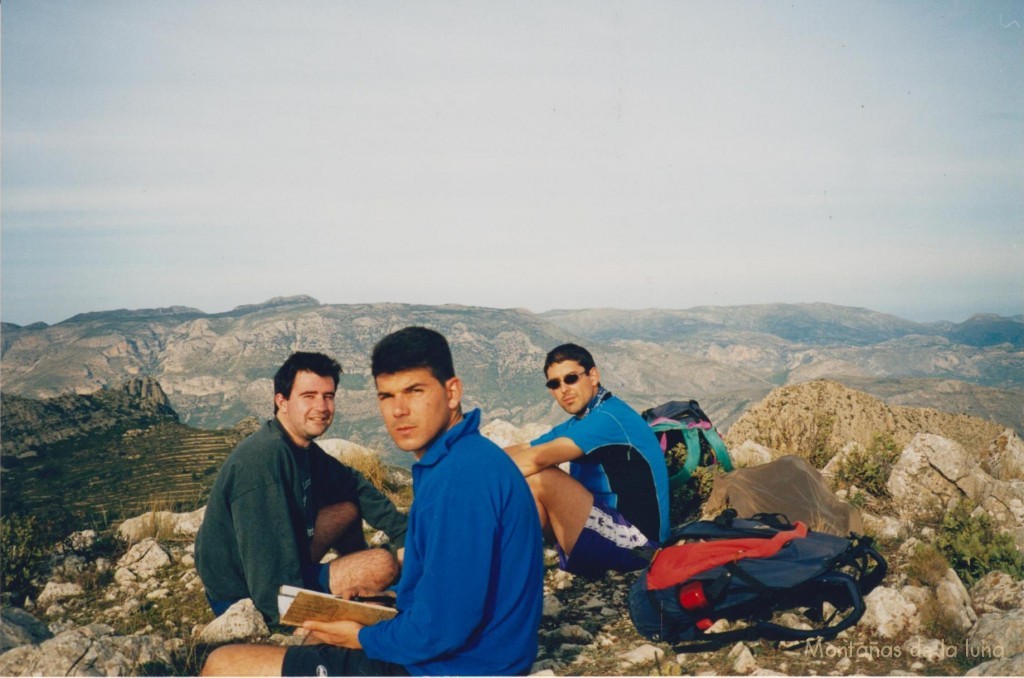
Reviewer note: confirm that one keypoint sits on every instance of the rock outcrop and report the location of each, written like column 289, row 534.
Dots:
column 91, row 650
column 933, row 473
column 825, row 415
column 30, row 423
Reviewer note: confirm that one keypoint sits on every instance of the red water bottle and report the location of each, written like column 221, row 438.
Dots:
column 691, row 596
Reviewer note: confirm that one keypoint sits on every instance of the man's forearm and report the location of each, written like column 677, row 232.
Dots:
column 535, row 458
column 525, row 458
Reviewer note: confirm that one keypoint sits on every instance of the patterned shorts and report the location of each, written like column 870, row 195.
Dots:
column 608, row 542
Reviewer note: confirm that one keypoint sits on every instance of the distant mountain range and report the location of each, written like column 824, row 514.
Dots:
column 216, row 368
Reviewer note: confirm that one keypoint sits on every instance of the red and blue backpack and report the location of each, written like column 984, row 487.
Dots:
column 750, row 571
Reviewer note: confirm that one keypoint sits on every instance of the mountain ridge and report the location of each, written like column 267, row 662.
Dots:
column 216, row 368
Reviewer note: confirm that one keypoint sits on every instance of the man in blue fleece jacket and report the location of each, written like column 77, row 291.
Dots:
column 469, row 599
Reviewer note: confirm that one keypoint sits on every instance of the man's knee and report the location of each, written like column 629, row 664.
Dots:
column 372, row 568
column 348, row 515
column 546, row 481
column 553, row 486
column 218, row 662
column 384, row 563
column 244, row 660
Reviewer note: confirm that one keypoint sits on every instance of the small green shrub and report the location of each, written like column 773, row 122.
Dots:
column 25, row 546
column 820, row 449
column 974, row 547
column 686, row 500
column 858, row 500
column 869, row 468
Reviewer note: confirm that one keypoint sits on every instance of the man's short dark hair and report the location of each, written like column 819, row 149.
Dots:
column 411, row 348
column 303, row 361
column 569, row 352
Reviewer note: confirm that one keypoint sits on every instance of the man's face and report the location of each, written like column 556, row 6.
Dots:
column 573, row 397
column 417, row 408
column 309, row 410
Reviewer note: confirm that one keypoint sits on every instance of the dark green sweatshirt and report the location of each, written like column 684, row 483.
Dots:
column 259, row 519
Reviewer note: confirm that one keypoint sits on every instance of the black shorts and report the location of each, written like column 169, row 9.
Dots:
column 328, row 660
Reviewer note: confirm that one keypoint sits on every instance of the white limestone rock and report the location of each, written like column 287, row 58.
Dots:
column 954, row 599
column 933, row 473
column 1008, row 666
column 18, row 627
column 997, row 591
column 751, row 454
column 999, row 634
column 241, row 621
column 55, row 592
column 742, row 659
column 640, row 655
column 886, row 527
column 85, row 651
column 1006, row 457
column 561, row 580
column 929, row 649
column 889, row 613
column 552, row 607
column 922, row 483
column 81, row 540
column 182, row 524
column 144, row 559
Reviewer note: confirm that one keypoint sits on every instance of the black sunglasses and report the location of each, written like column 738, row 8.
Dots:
column 569, row 380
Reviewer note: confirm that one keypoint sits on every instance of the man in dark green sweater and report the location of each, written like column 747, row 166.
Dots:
column 280, row 503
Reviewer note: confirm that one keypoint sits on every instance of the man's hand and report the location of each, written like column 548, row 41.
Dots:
column 343, row 633
column 364, row 592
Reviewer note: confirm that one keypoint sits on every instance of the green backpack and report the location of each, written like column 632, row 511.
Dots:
column 688, row 439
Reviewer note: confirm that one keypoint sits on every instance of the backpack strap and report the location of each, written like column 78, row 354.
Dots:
column 868, row 566
column 692, row 440
column 835, row 587
column 718, row 445
column 830, row 585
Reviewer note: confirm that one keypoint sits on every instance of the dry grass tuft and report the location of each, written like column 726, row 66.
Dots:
column 370, row 465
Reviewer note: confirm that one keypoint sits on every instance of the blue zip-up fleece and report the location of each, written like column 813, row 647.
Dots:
column 470, row 595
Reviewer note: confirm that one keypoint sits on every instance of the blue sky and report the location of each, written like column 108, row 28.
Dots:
column 512, row 154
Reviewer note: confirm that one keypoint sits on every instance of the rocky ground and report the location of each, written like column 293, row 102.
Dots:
column 144, row 615
column 132, row 604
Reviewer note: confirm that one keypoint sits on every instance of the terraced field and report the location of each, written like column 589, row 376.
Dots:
column 120, row 474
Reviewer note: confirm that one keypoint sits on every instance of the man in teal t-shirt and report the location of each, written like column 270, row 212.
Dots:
column 611, row 509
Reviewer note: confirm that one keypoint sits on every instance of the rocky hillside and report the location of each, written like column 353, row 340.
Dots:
column 821, row 324
column 820, row 417
column 103, row 455
column 134, row 604
column 27, row 424
column 216, row 368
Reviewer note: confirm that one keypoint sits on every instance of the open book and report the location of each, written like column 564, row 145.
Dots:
column 296, row 605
